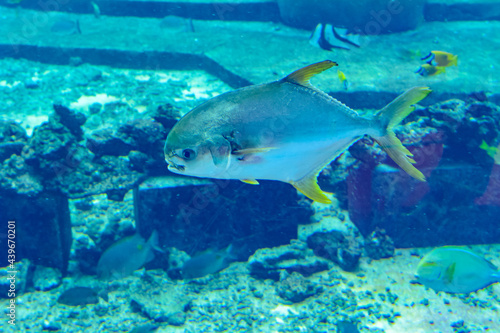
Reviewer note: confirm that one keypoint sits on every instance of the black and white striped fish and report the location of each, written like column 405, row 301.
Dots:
column 328, row 37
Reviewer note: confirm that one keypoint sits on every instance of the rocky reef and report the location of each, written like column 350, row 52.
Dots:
column 60, row 162
column 445, row 140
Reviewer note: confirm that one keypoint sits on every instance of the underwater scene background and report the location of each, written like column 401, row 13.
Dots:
column 98, row 235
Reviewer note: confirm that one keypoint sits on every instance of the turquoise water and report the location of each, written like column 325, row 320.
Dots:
column 99, row 236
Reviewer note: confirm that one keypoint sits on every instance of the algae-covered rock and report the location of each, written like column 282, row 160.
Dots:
column 295, row 257
column 379, row 245
column 142, row 140
column 296, row 288
column 49, row 143
column 16, row 176
column 51, row 325
column 166, row 306
column 446, row 141
column 71, row 119
column 333, row 245
column 14, row 285
column 167, row 115
column 105, row 142
column 12, row 139
column 145, row 135
column 46, row 278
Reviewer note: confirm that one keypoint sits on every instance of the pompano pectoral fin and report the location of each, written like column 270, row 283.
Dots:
column 220, row 150
column 309, row 187
column 303, row 75
column 247, row 151
column 392, row 115
column 250, row 181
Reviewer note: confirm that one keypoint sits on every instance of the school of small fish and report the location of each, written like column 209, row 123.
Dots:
column 436, row 63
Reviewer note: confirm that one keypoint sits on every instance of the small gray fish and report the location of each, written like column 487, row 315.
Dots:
column 79, row 296
column 126, row 256
column 96, row 9
column 176, row 23
column 207, row 262
column 66, row 27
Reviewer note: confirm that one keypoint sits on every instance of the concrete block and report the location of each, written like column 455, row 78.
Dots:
column 196, row 214
column 43, row 228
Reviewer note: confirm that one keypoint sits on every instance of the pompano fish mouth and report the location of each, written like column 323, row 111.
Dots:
column 172, row 165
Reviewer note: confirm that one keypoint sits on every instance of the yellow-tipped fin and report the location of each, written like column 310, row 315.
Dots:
column 491, row 151
column 392, row 115
column 250, row 181
column 454, row 61
column 303, row 75
column 309, row 187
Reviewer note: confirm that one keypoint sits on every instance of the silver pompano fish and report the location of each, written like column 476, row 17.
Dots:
column 285, row 130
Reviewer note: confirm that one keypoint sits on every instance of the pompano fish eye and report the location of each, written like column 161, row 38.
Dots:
column 188, row 154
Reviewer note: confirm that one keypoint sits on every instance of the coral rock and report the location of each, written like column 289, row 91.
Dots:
column 296, row 288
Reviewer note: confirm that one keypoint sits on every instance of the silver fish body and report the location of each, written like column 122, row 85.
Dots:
column 285, row 130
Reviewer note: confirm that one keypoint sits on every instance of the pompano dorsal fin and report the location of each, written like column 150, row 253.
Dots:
column 250, row 181
column 309, row 187
column 303, row 75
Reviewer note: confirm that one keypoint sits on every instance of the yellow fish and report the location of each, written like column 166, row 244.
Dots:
column 343, row 79
column 455, row 269
column 285, row 130
column 491, row 151
column 441, row 59
column 429, row 70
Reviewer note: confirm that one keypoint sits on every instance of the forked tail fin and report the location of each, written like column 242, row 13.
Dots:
column 392, row 115
column 153, row 242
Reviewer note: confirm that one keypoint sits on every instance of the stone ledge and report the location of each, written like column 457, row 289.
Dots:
column 249, row 10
